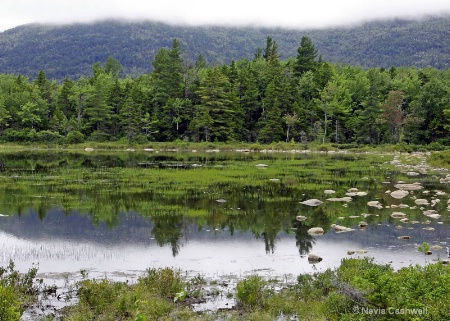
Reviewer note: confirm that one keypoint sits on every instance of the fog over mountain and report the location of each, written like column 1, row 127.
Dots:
column 71, row 50
column 283, row 13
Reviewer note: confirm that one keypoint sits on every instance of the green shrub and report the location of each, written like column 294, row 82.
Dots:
column 165, row 282
column 252, row 292
column 436, row 146
column 11, row 135
column 32, row 135
column 75, row 137
column 98, row 136
column 138, row 139
column 47, row 136
column 16, row 291
column 10, row 307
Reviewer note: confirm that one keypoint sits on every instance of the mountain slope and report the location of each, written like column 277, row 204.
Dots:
column 71, row 50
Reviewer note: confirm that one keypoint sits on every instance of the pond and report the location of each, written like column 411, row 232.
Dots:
column 217, row 214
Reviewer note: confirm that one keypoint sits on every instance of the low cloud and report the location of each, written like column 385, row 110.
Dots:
column 283, row 13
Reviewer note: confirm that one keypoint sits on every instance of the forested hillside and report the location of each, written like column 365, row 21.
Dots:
column 266, row 99
column 70, row 50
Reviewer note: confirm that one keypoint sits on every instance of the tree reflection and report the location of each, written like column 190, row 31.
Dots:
column 167, row 231
column 304, row 241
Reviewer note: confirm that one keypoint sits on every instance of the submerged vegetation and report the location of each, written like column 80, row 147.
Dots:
column 263, row 193
column 220, row 190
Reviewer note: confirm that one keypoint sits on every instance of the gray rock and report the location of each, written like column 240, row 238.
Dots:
column 399, row 194
column 341, row 199
column 316, row 231
column 312, row 202
column 409, row 187
column 376, row 204
column 313, row 259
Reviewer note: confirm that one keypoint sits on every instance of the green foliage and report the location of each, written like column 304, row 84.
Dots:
column 151, row 298
column 99, row 136
column 340, row 294
column 263, row 100
column 75, row 137
column 440, row 159
column 166, row 282
column 252, row 292
column 49, row 137
column 10, row 308
column 424, row 248
column 16, row 291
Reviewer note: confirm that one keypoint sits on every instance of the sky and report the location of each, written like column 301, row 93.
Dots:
column 300, row 14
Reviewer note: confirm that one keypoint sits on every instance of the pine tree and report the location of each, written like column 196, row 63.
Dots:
column 218, row 101
column 168, row 74
column 5, row 116
column 306, row 55
column 270, row 123
column 97, row 110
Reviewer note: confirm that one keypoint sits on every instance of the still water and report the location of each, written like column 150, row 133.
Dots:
column 214, row 214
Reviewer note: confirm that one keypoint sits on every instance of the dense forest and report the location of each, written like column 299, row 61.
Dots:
column 264, row 99
column 70, row 50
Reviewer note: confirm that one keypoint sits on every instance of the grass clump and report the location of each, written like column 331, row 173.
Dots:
column 152, row 298
column 252, row 292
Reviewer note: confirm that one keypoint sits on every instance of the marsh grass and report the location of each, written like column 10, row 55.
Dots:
column 329, row 295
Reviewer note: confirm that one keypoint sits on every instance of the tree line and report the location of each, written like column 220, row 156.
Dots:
column 265, row 99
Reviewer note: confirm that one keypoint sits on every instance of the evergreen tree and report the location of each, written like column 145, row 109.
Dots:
column 113, row 67
column 5, row 116
column 271, row 123
column 218, row 101
column 430, row 104
column 168, row 74
column 250, row 102
column 306, row 55
column 130, row 118
column 97, row 110
column 63, row 101
column 59, row 123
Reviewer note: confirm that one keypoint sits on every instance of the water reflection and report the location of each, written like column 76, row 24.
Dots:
column 131, row 211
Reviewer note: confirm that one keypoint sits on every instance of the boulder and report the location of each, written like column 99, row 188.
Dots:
column 376, row 204
column 262, row 165
column 316, row 231
column 421, row 201
column 312, row 202
column 398, row 215
column 341, row 199
column 363, row 224
column 399, row 194
column 341, row 229
column 432, row 214
column 313, row 259
column 301, row 218
column 409, row 187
